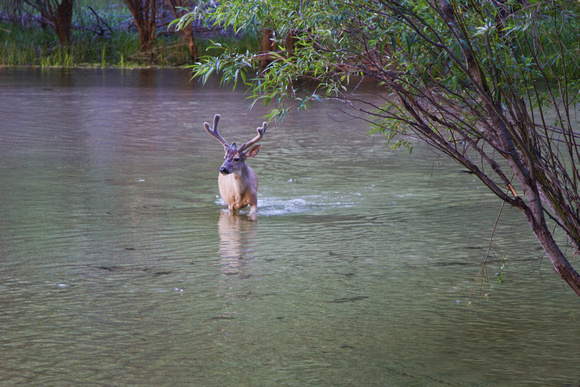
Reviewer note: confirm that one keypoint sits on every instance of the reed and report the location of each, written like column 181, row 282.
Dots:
column 37, row 47
column 102, row 37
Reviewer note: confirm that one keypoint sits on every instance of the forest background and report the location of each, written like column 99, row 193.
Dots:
column 106, row 33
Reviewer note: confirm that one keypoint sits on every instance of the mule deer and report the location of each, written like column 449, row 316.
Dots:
column 238, row 183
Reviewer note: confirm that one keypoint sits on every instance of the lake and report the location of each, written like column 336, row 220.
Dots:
column 120, row 264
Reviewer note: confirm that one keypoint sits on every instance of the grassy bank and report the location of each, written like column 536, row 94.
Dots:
column 37, row 47
column 103, row 35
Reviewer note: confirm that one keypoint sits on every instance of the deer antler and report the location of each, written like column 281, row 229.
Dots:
column 214, row 133
column 261, row 132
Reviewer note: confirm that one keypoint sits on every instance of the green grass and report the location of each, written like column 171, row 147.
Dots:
column 113, row 46
column 37, row 47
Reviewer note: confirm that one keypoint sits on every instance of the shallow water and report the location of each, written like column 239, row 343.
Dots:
column 119, row 264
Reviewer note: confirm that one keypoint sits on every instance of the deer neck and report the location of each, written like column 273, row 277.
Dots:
column 242, row 174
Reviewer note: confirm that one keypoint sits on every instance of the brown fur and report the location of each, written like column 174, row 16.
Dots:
column 238, row 183
column 239, row 187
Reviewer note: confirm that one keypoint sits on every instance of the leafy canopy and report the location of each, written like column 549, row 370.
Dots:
column 474, row 79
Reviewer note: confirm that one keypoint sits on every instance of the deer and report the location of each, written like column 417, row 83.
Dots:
column 237, row 181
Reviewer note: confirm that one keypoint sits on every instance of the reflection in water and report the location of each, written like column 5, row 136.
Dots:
column 238, row 237
column 118, row 267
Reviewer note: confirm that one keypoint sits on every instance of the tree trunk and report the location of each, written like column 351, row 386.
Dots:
column 63, row 21
column 519, row 159
column 268, row 44
column 59, row 18
column 559, row 261
column 144, row 13
column 188, row 36
column 187, row 33
column 291, row 40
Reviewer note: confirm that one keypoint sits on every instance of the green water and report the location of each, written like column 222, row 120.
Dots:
column 120, row 266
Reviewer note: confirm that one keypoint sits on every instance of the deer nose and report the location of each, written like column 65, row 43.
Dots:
column 224, row 171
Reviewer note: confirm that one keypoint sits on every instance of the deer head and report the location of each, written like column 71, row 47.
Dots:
column 238, row 183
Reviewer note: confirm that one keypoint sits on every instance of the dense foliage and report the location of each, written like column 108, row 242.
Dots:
column 102, row 33
column 474, row 79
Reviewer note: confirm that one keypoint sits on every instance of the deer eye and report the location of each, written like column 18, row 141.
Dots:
column 236, row 159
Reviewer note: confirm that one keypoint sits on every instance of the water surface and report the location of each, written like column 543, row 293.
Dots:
column 119, row 264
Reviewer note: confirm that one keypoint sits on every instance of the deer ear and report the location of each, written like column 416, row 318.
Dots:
column 253, row 151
